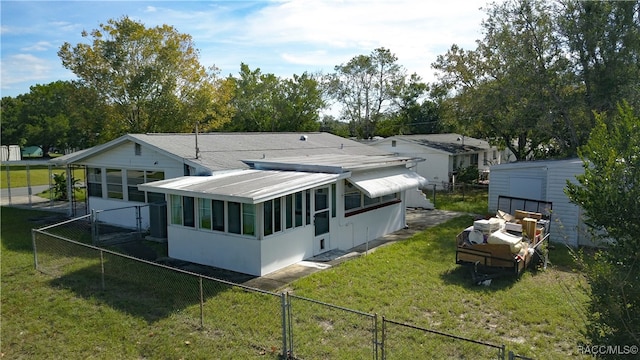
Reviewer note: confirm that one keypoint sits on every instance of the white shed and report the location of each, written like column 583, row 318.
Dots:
column 10, row 153
column 543, row 180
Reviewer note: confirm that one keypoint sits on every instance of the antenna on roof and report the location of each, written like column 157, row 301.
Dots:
column 197, row 149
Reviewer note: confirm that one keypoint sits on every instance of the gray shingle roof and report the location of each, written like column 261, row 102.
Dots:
column 451, row 143
column 220, row 151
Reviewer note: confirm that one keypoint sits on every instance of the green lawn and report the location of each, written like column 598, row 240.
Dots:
column 38, row 175
column 416, row 281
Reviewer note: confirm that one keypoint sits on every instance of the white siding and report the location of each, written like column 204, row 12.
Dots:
column 123, row 157
column 436, row 166
column 527, row 181
column 566, row 216
column 566, row 224
column 227, row 251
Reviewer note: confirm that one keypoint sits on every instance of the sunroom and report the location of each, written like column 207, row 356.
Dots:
column 257, row 221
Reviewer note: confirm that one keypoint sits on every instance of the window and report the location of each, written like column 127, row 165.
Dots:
column 138, row 150
column 355, row 201
column 370, row 201
column 176, row 209
column 333, row 200
column 277, row 215
column 188, row 211
column 94, row 182
column 234, row 217
column 248, row 219
column 182, row 210
column 352, row 197
column 134, row 178
column 268, row 217
column 151, row 176
column 393, row 143
column 242, row 218
column 114, row 184
column 273, row 215
column 204, row 213
column 218, row 215
column 298, row 209
column 288, row 211
column 474, row 160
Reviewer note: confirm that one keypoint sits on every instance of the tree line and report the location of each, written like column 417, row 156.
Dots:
column 533, row 84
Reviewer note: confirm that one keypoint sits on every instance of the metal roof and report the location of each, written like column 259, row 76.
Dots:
column 333, row 163
column 246, row 186
column 386, row 181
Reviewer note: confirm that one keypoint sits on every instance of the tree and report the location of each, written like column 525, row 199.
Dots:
column 264, row 102
column 151, row 77
column 60, row 114
column 415, row 114
column 11, row 128
column 605, row 38
column 609, row 192
column 367, row 87
column 516, row 88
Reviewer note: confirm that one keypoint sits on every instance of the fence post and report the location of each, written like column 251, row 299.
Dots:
column 139, row 221
column 384, row 329
column 283, row 298
column 94, row 226
column 35, row 250
column 375, row 336
column 201, row 304
column 434, row 195
column 102, row 268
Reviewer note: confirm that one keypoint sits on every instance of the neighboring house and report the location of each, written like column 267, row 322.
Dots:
column 544, row 180
column 444, row 154
column 235, row 175
column 32, row 152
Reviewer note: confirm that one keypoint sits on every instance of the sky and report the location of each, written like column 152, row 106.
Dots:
column 278, row 37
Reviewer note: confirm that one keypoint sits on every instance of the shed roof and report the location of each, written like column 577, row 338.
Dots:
column 222, row 151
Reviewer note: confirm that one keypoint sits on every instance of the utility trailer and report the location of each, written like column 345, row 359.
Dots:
column 488, row 259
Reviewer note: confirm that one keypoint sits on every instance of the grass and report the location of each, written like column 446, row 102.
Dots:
column 472, row 201
column 38, row 175
column 415, row 281
column 540, row 315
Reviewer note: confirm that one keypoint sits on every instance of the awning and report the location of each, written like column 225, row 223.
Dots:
column 386, row 181
column 246, row 186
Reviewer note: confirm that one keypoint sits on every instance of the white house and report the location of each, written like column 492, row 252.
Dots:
column 285, row 210
column 543, row 180
column 295, row 177
column 444, row 154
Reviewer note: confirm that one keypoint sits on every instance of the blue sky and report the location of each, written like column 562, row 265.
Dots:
column 279, row 37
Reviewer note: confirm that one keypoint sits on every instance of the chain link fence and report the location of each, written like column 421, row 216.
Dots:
column 235, row 319
column 318, row 330
column 404, row 341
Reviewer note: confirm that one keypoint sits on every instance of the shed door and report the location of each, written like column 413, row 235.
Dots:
column 321, row 220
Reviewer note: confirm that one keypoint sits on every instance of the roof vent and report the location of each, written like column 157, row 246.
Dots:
column 303, row 138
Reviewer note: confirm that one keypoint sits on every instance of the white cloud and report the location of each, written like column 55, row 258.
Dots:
column 39, row 46
column 22, row 68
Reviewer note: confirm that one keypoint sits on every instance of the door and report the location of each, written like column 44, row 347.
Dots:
column 321, row 220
